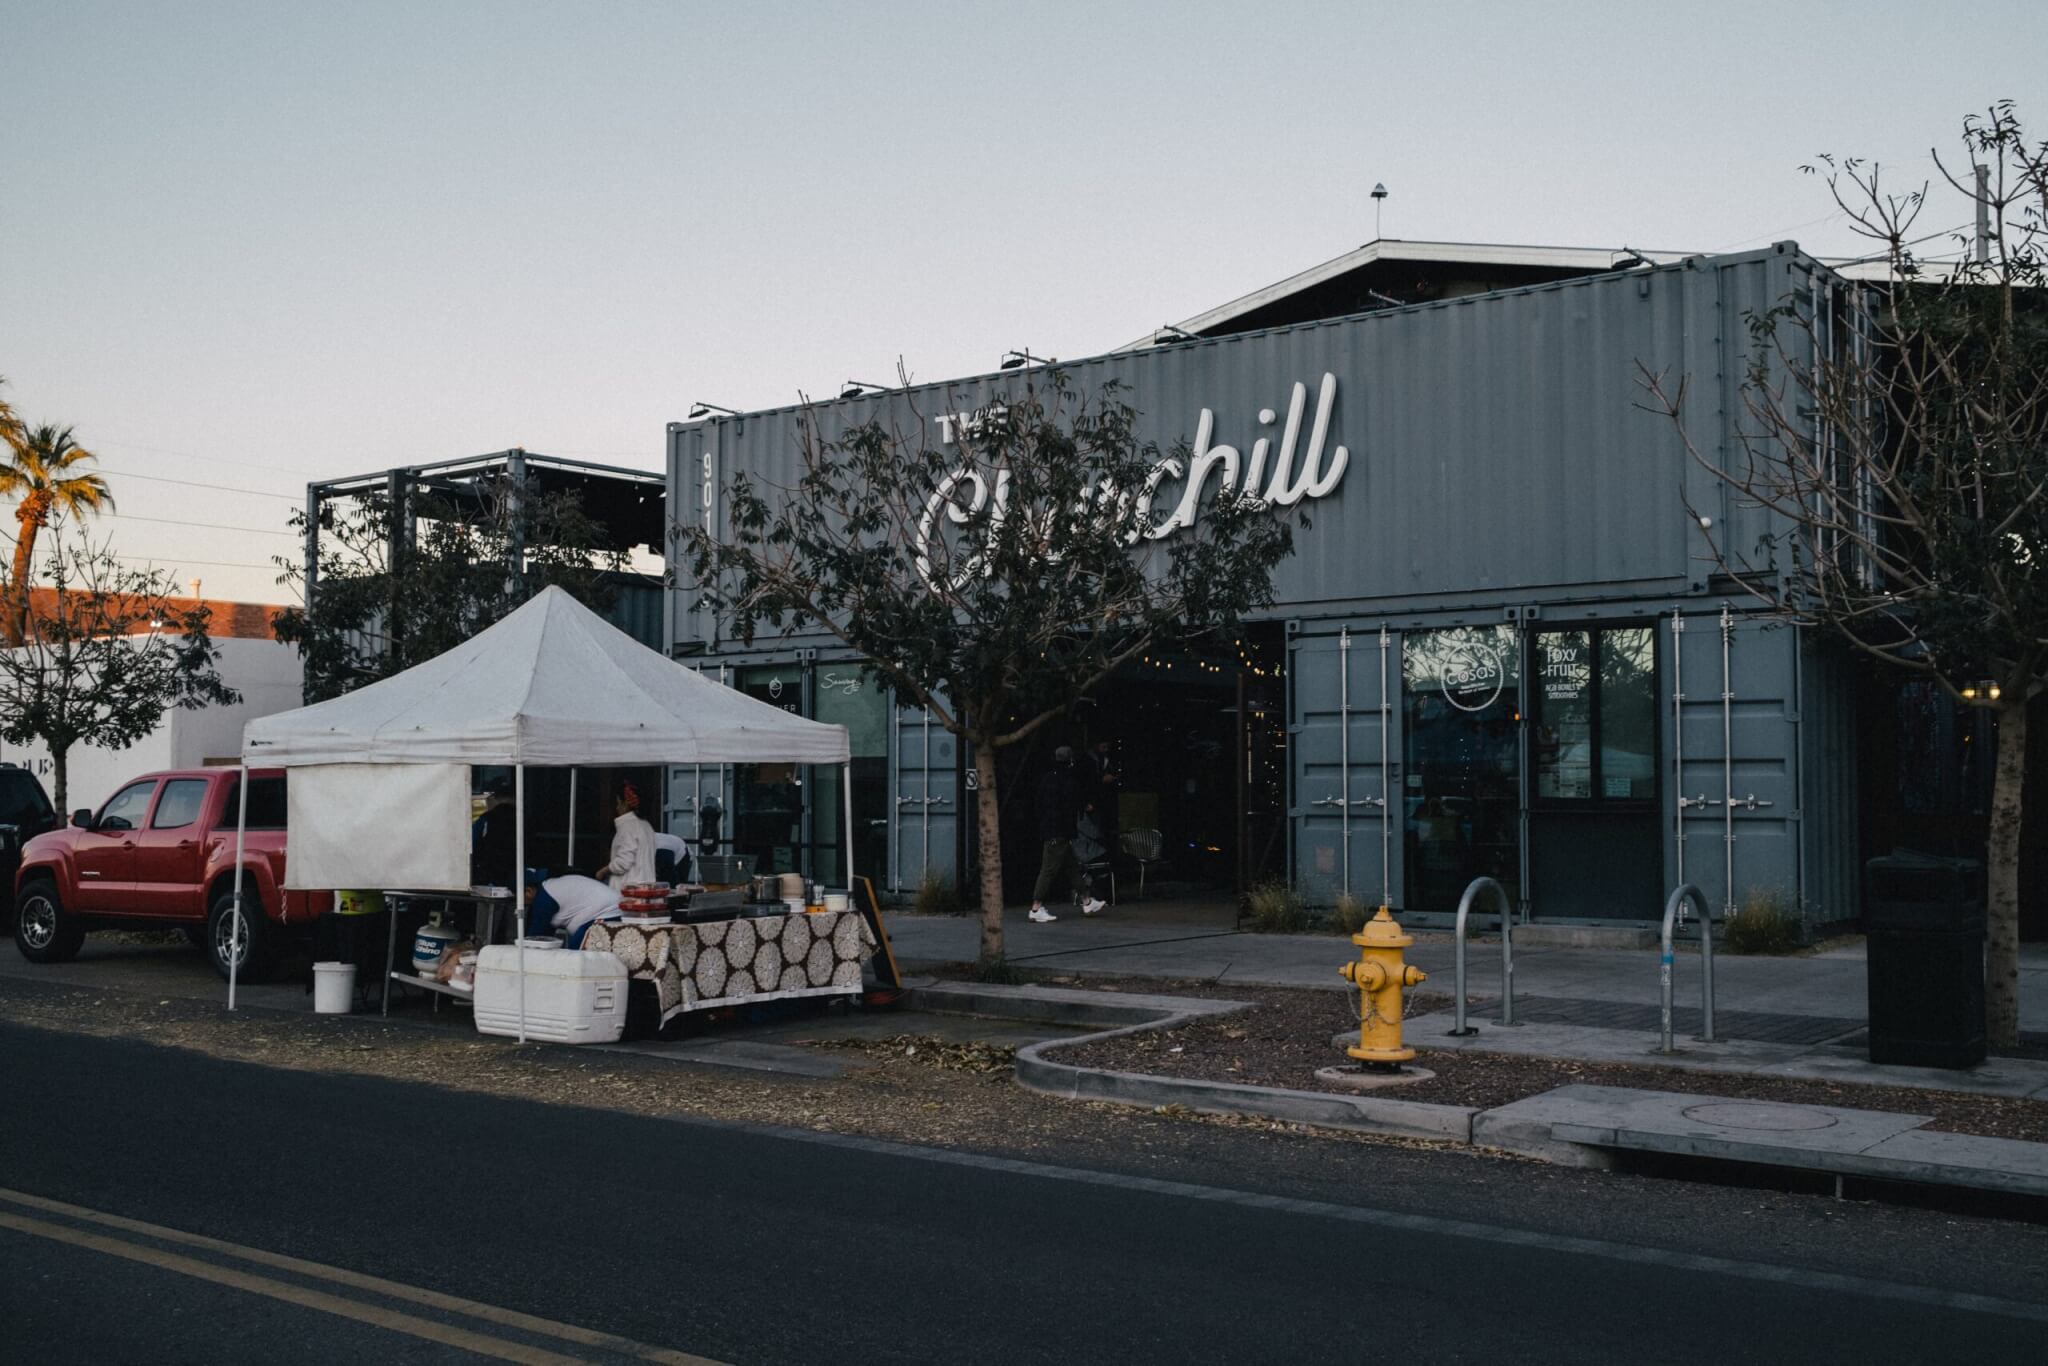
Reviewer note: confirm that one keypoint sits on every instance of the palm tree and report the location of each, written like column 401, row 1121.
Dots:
column 41, row 472
column 10, row 425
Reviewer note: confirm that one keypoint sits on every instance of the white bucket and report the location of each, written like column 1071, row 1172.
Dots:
column 835, row 901
column 334, row 988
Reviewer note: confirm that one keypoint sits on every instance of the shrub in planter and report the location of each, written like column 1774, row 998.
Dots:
column 1276, row 908
column 1350, row 916
column 1767, row 923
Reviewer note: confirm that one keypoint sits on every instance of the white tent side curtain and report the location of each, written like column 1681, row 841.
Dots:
column 378, row 825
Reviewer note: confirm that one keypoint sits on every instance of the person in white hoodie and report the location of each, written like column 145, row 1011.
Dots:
column 632, row 857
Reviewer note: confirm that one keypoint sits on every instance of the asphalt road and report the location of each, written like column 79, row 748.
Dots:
column 152, row 1201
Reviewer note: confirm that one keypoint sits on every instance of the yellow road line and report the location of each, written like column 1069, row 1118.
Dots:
column 501, row 1348
column 489, row 1313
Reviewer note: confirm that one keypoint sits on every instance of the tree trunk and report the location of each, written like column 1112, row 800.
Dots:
column 16, row 621
column 989, row 828
column 60, row 767
column 2002, row 875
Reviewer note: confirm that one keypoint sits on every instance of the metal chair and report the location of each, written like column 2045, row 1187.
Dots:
column 1145, row 848
column 1098, row 863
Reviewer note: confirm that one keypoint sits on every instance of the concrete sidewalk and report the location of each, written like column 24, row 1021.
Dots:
column 1809, row 998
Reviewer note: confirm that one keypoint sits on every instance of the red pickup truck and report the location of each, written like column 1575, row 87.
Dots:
column 161, row 853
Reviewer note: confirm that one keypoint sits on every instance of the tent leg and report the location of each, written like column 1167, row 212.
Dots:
column 572, row 819
column 519, row 884
column 235, row 925
column 846, row 787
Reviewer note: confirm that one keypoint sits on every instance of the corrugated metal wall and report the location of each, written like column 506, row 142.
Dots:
column 1499, row 453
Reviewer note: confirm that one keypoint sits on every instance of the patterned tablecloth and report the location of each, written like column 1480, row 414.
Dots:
column 727, row 962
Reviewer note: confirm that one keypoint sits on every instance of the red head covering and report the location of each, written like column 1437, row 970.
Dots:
column 629, row 795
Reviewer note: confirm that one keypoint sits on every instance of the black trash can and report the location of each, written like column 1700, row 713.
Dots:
column 1924, row 917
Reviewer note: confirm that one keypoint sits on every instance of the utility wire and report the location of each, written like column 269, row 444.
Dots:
column 209, row 526
column 189, row 455
column 195, row 484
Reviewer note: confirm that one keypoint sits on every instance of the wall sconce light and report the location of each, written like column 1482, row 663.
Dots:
column 1017, row 360
column 854, row 387
column 698, row 410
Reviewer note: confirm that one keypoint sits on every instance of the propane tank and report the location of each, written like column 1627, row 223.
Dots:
column 428, row 944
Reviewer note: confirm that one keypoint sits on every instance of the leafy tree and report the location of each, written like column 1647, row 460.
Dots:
column 104, row 655
column 471, row 560
column 1900, row 437
column 42, row 471
column 995, row 581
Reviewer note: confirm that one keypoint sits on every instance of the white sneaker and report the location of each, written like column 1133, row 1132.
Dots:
column 1041, row 915
column 1094, row 906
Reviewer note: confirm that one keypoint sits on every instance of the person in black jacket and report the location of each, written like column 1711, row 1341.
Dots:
column 1059, row 809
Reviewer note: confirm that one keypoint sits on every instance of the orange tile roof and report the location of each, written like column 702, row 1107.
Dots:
column 231, row 620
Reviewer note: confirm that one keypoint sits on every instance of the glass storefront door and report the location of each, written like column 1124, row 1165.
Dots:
column 789, row 816
column 1595, row 837
column 1461, row 793
column 768, row 799
column 861, row 705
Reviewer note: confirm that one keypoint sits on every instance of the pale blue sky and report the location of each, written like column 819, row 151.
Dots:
column 253, row 244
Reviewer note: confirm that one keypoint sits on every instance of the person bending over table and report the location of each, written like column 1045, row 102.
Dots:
column 567, row 905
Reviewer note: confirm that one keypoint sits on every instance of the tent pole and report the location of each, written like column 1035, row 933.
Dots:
column 235, row 930
column 571, row 860
column 846, row 786
column 519, row 884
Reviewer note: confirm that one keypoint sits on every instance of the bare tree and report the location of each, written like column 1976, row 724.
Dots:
column 1898, row 431
column 997, row 575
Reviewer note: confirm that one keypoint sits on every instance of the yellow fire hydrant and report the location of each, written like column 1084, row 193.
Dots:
column 1380, row 976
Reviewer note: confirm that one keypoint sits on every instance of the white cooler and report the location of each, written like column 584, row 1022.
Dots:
column 571, row 996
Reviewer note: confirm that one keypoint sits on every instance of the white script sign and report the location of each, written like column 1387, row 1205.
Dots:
column 1267, row 475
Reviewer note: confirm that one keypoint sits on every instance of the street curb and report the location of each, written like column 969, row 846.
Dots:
column 1127, row 1014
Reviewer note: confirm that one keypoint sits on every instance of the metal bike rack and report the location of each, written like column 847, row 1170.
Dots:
column 1678, row 898
column 1507, row 952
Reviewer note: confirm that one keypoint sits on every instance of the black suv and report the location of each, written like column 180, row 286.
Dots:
column 25, row 812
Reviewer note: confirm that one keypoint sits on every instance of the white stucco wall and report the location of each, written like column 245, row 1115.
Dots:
column 266, row 672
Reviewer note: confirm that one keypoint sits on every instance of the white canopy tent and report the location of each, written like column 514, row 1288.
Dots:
column 553, row 684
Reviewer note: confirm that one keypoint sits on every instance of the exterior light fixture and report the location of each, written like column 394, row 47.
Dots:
column 1017, row 360
column 1169, row 333
column 1986, row 688
column 698, row 410
column 854, row 387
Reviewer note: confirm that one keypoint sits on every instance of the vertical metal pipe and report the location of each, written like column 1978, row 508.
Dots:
column 571, row 855
column 1983, row 239
column 1678, row 738
column 235, row 925
column 924, row 807
column 1522, row 771
column 1386, row 781
column 846, row 786
column 1706, row 973
column 1344, row 748
column 1727, row 766
column 519, row 884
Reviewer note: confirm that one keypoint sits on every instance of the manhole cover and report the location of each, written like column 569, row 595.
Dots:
column 1747, row 1114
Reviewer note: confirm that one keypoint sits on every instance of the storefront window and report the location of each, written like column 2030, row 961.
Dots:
column 1595, row 715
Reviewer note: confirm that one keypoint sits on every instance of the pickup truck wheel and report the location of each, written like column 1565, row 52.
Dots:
column 43, row 930
column 256, row 937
